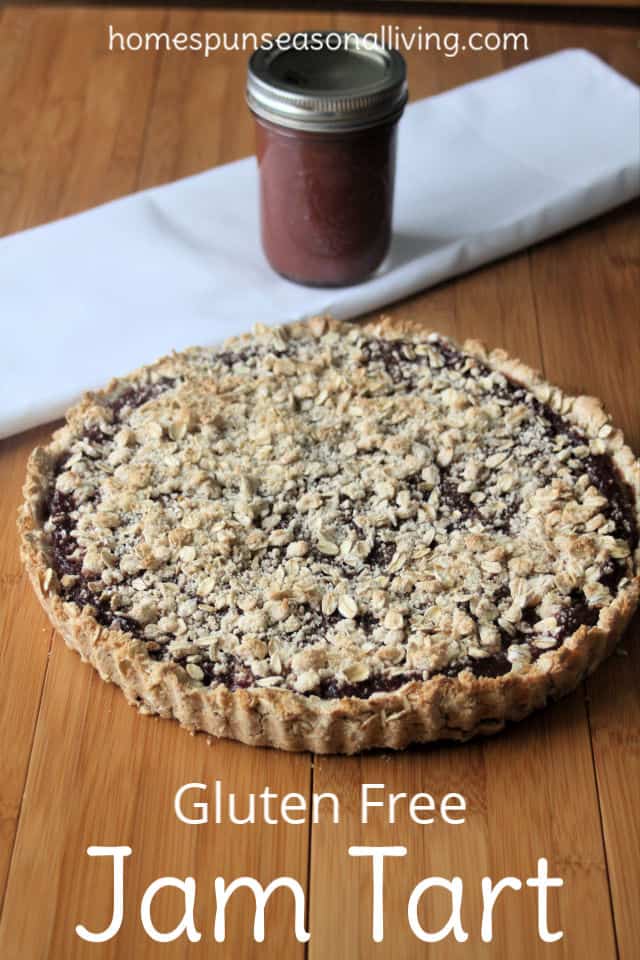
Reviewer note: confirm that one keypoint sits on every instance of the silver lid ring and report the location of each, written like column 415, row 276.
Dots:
column 316, row 86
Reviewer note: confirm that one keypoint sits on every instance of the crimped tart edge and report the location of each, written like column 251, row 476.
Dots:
column 455, row 708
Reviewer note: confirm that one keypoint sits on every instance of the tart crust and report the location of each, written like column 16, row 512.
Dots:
column 441, row 707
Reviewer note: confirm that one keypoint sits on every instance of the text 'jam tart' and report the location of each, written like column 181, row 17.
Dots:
column 330, row 537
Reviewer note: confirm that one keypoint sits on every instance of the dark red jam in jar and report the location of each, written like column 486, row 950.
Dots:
column 326, row 118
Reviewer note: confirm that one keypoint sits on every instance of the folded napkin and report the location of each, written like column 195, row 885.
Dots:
column 483, row 170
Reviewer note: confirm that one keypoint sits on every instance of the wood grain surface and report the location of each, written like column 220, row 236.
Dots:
column 80, row 126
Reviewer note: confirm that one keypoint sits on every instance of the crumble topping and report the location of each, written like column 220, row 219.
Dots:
column 320, row 509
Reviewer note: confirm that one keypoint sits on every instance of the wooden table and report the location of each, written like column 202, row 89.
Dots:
column 81, row 126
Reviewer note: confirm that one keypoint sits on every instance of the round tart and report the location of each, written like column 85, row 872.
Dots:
column 330, row 538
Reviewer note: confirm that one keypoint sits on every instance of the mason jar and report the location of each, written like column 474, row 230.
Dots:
column 326, row 113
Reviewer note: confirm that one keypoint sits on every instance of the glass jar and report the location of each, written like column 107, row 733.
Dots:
column 326, row 123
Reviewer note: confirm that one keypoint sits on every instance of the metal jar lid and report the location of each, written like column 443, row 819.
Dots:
column 326, row 81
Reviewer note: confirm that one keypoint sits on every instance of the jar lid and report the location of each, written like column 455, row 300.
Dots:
column 324, row 81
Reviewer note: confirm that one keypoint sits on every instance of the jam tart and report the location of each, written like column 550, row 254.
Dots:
column 331, row 537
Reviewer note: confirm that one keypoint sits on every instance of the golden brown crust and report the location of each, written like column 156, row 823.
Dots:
column 442, row 707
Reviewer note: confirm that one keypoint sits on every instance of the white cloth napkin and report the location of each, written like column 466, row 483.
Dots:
column 483, row 170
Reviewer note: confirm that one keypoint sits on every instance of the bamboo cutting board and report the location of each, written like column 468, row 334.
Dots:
column 79, row 767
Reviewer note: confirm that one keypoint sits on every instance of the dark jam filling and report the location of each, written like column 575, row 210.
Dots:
column 68, row 562
column 459, row 503
column 229, row 671
column 332, row 689
column 398, row 359
column 136, row 396
column 577, row 614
